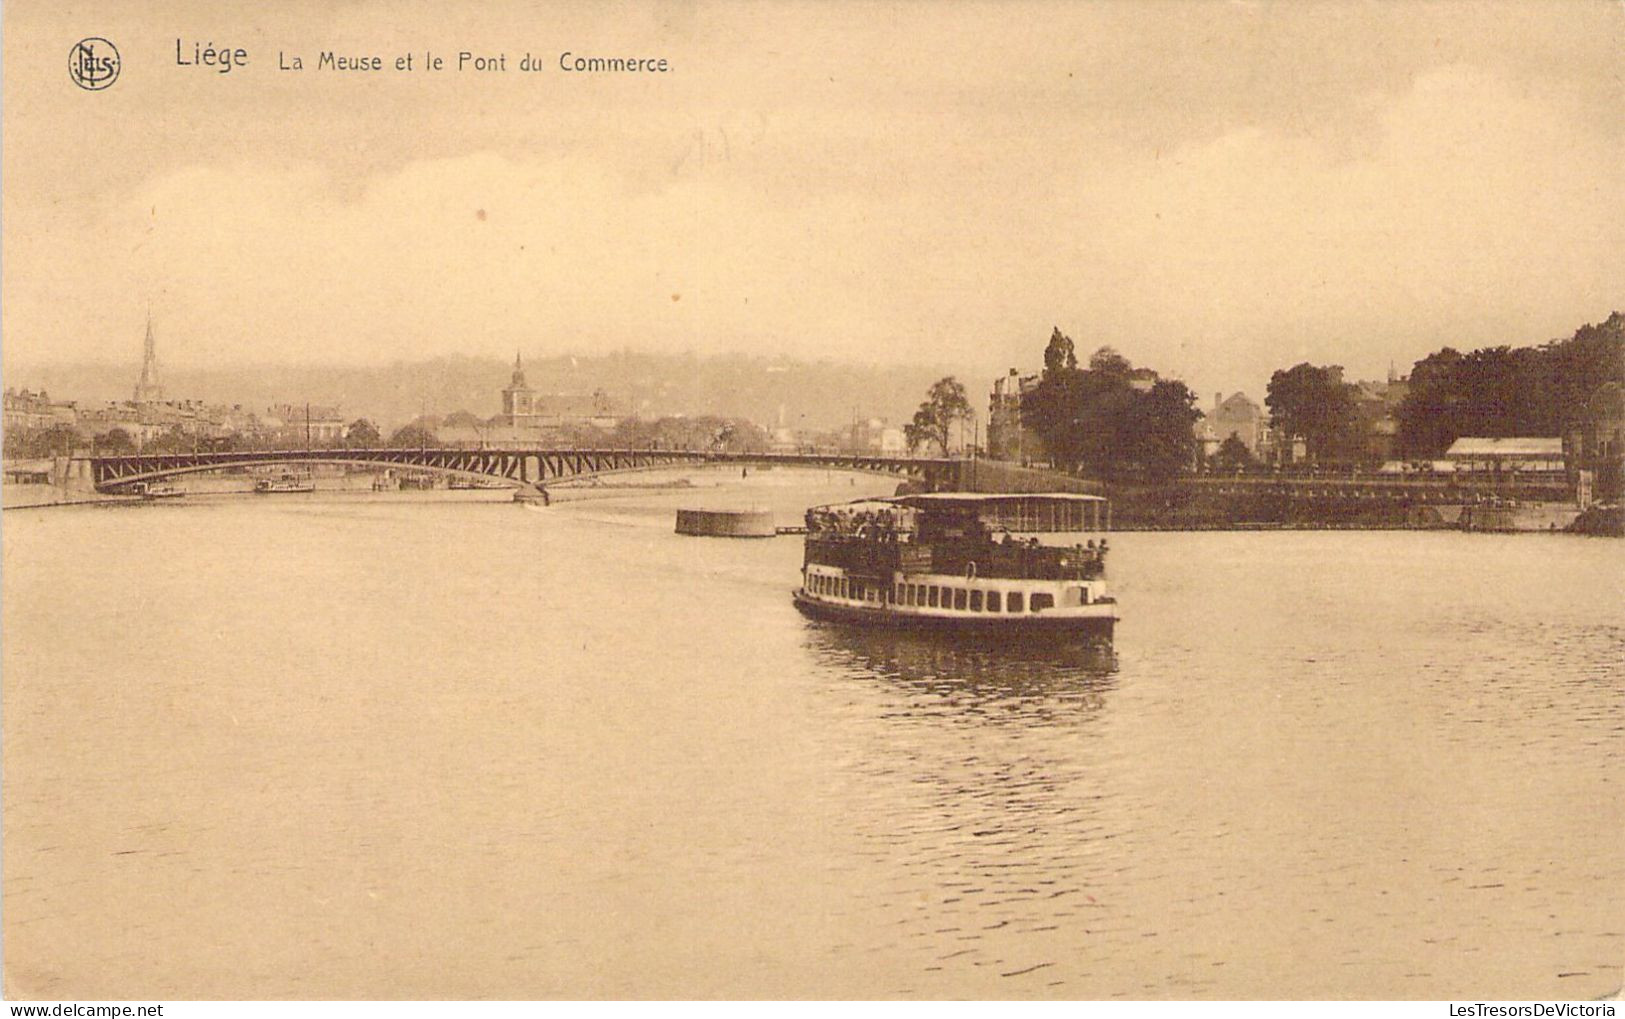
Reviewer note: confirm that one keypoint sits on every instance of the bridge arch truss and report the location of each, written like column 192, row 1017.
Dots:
column 522, row 467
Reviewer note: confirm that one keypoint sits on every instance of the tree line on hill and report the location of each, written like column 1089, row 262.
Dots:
column 699, row 433
column 706, row 431
column 1491, row 392
column 813, row 395
column 1111, row 419
column 1507, row 391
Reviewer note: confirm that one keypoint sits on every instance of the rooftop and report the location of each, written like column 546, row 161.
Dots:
column 1510, row 446
column 936, row 499
column 983, row 498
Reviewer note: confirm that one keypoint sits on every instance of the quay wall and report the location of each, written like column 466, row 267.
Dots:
column 1261, row 503
column 1191, row 506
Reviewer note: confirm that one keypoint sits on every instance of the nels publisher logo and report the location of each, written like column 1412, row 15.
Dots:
column 93, row 63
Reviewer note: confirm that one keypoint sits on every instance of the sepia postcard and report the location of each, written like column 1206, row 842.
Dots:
column 1109, row 501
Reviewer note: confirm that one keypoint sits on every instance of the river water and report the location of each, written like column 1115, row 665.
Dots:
column 439, row 745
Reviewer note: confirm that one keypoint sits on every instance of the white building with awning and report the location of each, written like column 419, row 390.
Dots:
column 1516, row 453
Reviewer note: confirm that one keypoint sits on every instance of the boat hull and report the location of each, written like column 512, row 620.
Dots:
column 1057, row 626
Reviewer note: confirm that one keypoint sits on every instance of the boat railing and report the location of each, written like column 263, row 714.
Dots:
column 981, row 558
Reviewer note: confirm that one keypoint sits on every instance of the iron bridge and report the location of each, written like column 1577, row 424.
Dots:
column 522, row 467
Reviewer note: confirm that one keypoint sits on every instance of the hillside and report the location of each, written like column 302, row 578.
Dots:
column 814, row 395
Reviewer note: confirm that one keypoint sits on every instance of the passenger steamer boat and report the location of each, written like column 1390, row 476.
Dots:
column 1014, row 565
column 152, row 491
column 285, row 483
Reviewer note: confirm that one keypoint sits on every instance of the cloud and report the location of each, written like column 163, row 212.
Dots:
column 951, row 201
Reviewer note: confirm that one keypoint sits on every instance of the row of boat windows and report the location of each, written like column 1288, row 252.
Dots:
column 930, row 595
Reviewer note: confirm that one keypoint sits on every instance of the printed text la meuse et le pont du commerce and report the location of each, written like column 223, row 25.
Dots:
column 223, row 59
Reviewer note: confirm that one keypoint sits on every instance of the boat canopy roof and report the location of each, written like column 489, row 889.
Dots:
column 1035, row 513
column 988, row 499
column 965, row 500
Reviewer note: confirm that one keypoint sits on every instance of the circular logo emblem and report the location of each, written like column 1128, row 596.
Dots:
column 93, row 63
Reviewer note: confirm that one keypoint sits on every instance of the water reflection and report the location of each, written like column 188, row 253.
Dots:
column 970, row 669
column 986, row 842
column 705, row 794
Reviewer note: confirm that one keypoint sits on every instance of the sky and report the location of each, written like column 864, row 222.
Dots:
column 1215, row 189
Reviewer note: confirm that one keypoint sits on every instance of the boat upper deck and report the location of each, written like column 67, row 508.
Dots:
column 1056, row 519
column 880, row 557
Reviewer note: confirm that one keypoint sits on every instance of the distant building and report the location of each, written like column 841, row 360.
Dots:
column 124, row 416
column 531, row 417
column 875, row 435
column 1239, row 416
column 1280, row 449
column 1008, row 437
column 1597, row 443
column 295, row 423
column 147, row 415
column 234, row 420
column 25, row 409
column 191, row 418
column 1142, row 379
column 1377, row 404
column 518, row 399
column 782, row 439
column 28, row 472
column 1506, row 455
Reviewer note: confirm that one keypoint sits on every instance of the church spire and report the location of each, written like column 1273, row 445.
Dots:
column 149, row 390
column 518, row 402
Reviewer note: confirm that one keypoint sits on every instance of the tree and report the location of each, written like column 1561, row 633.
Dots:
column 1427, row 415
column 1095, row 419
column 1315, row 405
column 1161, row 436
column 1505, row 391
column 944, row 404
column 411, row 435
column 1059, row 355
column 32, row 443
column 1107, row 361
column 227, row 443
column 1083, row 416
column 115, row 443
column 362, row 434
column 172, row 441
column 20, row 443
column 59, row 440
column 1233, row 455
column 734, row 435
column 1055, row 410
